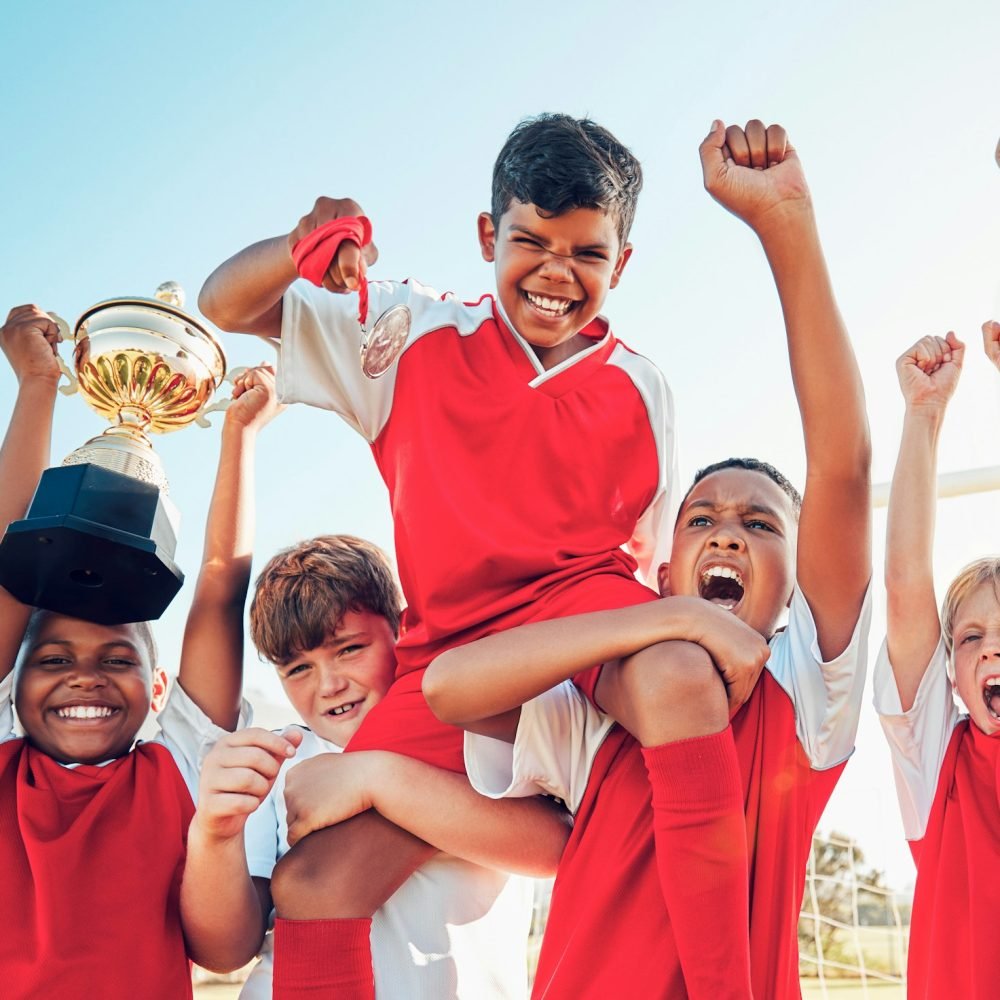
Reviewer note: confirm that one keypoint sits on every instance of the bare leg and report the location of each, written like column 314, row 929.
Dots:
column 347, row 870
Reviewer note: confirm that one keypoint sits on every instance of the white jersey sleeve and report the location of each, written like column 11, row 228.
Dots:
column 7, row 708
column 189, row 734
column 651, row 540
column 918, row 739
column 558, row 735
column 827, row 694
column 319, row 362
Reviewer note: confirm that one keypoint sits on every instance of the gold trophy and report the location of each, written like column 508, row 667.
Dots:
column 99, row 538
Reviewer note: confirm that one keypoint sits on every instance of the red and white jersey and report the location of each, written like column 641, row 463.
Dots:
column 947, row 774
column 507, row 482
column 918, row 739
column 609, row 932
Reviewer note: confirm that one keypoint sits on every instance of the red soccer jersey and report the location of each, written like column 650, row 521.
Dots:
column 609, row 932
column 91, row 860
column 953, row 928
column 509, row 485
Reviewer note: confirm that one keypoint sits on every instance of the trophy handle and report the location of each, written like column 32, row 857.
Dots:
column 220, row 405
column 73, row 384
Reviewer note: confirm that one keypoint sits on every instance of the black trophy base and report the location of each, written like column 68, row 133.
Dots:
column 96, row 544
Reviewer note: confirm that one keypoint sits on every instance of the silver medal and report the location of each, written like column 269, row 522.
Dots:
column 385, row 342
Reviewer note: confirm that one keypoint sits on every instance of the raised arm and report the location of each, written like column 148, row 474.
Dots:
column 756, row 174
column 480, row 686
column 211, row 670
column 928, row 374
column 524, row 836
column 28, row 339
column 224, row 911
column 243, row 295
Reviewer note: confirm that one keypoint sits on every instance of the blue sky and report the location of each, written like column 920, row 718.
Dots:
column 146, row 142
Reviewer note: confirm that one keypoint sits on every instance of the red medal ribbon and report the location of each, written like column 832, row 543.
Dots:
column 314, row 253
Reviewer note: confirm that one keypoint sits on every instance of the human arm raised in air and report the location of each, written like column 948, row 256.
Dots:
column 243, row 294
column 211, row 669
column 755, row 173
column 928, row 374
column 29, row 339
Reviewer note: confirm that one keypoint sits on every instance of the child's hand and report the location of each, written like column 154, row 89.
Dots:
column 29, row 339
column 328, row 789
column 754, row 172
column 739, row 652
column 928, row 372
column 991, row 338
column 343, row 274
column 236, row 777
column 255, row 398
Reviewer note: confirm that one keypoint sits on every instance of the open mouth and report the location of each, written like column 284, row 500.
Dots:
column 991, row 696
column 85, row 713
column 551, row 308
column 722, row 586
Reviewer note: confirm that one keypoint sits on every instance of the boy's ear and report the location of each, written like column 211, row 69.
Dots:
column 663, row 579
column 623, row 259
column 159, row 698
column 487, row 236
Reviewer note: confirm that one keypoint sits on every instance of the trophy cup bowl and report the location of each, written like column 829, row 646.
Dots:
column 99, row 538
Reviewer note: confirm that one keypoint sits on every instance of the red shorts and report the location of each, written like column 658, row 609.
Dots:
column 403, row 723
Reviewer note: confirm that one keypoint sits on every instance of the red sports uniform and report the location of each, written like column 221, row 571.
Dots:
column 512, row 488
column 91, row 858
column 948, row 781
column 793, row 737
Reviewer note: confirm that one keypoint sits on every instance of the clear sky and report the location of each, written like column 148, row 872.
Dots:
column 145, row 142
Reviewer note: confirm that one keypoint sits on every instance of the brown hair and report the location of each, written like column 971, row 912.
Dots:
column 304, row 591
column 976, row 573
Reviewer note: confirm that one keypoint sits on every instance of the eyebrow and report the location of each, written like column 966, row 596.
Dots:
column 68, row 644
column 750, row 508
column 515, row 228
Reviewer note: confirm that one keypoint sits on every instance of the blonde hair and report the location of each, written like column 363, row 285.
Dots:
column 972, row 576
column 304, row 591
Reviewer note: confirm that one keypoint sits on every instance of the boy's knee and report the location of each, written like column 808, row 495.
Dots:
column 671, row 690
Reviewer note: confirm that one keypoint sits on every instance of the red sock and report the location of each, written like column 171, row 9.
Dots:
column 701, row 854
column 323, row 958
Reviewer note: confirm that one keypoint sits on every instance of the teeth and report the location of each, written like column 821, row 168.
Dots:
column 340, row 709
column 85, row 712
column 725, row 571
column 558, row 307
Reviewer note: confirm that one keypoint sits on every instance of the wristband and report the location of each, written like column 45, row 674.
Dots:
column 314, row 253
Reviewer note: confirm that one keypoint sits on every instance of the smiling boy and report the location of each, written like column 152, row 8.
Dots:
column 499, row 429
column 325, row 612
column 92, row 825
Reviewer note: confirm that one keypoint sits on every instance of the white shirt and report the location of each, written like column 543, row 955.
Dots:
column 918, row 739
column 452, row 930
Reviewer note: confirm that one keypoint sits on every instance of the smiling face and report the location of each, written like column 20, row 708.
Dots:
column 553, row 273
column 83, row 690
column 335, row 685
column 734, row 545
column 976, row 656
